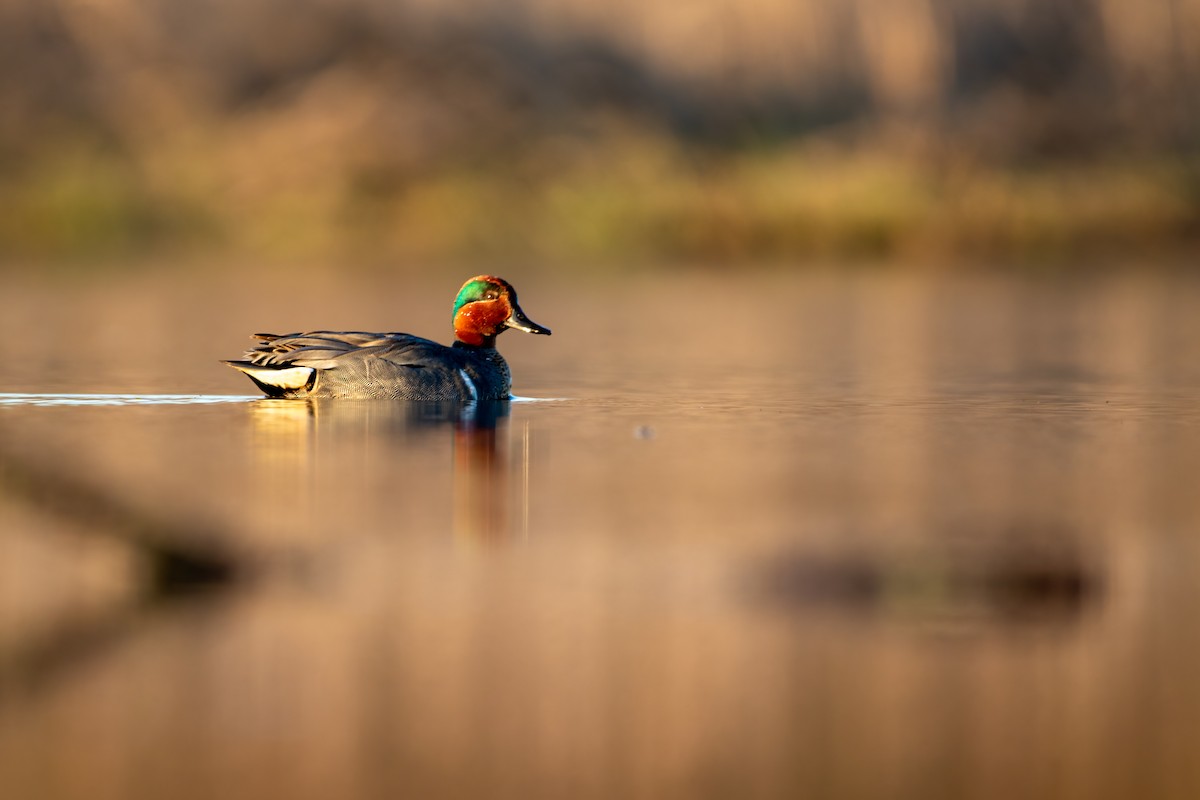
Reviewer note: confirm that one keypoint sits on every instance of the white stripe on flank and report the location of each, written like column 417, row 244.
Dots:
column 462, row 373
column 287, row 378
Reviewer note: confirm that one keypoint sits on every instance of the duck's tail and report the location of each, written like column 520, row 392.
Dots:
column 278, row 381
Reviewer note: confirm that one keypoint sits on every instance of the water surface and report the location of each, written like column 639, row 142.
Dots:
column 764, row 536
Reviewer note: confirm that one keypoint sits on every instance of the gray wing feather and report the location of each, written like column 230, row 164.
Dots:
column 324, row 349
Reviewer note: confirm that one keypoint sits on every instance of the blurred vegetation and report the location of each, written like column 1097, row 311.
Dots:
column 714, row 130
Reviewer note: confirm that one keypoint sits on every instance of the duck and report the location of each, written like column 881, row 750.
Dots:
column 397, row 366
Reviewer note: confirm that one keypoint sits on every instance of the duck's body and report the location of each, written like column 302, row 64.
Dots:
column 391, row 366
column 397, row 366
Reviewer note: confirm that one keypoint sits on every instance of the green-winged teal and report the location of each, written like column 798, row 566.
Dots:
column 397, row 366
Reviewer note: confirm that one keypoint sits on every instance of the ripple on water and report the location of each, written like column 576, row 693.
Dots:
column 70, row 399
column 24, row 399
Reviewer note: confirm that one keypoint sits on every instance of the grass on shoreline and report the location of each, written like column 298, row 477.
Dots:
column 635, row 202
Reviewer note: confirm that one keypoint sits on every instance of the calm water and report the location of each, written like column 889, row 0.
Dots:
column 762, row 536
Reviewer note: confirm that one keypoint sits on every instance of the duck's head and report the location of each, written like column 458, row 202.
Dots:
column 485, row 306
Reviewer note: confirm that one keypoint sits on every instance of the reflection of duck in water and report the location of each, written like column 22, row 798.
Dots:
column 288, row 433
column 389, row 420
column 398, row 366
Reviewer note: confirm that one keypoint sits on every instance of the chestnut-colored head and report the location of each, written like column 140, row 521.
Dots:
column 485, row 306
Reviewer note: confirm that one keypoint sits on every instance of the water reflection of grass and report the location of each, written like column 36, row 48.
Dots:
column 636, row 200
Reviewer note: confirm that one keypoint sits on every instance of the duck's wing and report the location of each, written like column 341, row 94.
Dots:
column 322, row 349
column 329, row 349
column 352, row 363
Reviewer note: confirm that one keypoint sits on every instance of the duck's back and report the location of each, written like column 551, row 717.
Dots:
column 395, row 366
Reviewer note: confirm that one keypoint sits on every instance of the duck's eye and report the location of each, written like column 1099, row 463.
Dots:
column 491, row 294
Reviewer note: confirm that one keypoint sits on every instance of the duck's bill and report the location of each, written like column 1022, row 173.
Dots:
column 520, row 322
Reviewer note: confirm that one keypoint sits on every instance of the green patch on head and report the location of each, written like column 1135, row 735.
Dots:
column 471, row 292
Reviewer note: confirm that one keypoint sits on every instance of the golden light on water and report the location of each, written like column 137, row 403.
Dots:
column 860, row 464
column 936, row 543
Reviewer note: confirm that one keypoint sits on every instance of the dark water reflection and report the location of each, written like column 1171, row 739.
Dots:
column 480, row 463
column 893, row 537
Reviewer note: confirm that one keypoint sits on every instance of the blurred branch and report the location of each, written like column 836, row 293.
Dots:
column 179, row 554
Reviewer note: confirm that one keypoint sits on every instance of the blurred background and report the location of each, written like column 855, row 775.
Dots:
column 765, row 130
column 861, row 462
